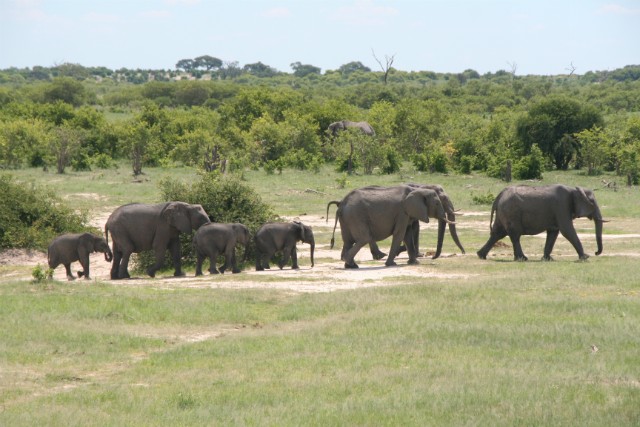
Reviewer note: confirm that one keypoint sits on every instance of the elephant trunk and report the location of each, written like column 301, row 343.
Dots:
column 108, row 255
column 313, row 248
column 598, row 222
column 442, row 225
column 454, row 231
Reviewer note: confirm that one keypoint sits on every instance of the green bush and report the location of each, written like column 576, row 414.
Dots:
column 392, row 162
column 30, row 217
column 483, row 199
column 530, row 166
column 225, row 199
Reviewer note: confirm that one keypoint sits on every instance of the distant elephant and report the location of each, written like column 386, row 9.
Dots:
column 69, row 248
column 139, row 227
column 282, row 236
column 525, row 210
column 370, row 214
column 442, row 225
column 213, row 239
column 365, row 127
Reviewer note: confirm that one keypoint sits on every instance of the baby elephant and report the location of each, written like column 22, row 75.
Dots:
column 68, row 248
column 282, row 236
column 215, row 238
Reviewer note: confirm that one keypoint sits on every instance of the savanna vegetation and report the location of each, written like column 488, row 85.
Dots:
column 453, row 341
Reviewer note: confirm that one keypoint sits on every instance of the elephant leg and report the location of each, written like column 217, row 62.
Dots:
column 398, row 236
column 67, row 267
column 174, row 248
column 234, row 263
column 115, row 263
column 518, row 254
column 259, row 266
column 84, row 262
column 159, row 256
column 349, row 261
column 294, row 259
column 199, row 260
column 376, row 253
column 213, row 258
column 552, row 235
column 570, row 234
column 123, row 270
column 493, row 239
column 286, row 254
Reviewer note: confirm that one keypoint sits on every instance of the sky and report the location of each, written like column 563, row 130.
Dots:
column 543, row 37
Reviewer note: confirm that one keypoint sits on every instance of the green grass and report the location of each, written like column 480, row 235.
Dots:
column 501, row 343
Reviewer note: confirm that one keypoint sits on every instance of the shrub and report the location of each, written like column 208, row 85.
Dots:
column 530, row 166
column 30, row 217
column 392, row 162
column 225, row 199
column 483, row 199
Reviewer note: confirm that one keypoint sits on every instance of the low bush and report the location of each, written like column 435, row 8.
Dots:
column 30, row 217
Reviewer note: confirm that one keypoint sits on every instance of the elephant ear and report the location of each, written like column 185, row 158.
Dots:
column 415, row 205
column 177, row 215
column 300, row 230
column 582, row 205
column 87, row 242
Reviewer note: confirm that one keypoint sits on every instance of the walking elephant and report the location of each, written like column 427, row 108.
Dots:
column 282, row 236
column 139, row 227
column 215, row 238
column 525, row 210
column 370, row 214
column 69, row 248
column 442, row 224
column 365, row 127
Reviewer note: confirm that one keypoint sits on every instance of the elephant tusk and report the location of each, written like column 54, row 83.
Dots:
column 448, row 221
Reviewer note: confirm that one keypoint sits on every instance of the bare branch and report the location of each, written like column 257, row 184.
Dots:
column 387, row 66
column 571, row 69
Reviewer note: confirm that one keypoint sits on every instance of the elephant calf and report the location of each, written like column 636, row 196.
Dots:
column 69, row 248
column 213, row 239
column 282, row 236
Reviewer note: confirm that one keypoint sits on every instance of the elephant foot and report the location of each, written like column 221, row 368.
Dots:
column 352, row 265
column 584, row 257
column 295, row 267
column 70, row 278
column 151, row 273
column 390, row 263
column 379, row 255
column 235, row 271
column 259, row 268
column 80, row 273
column 521, row 258
column 481, row 255
column 198, row 273
column 547, row 258
column 179, row 274
column 214, row 271
column 413, row 262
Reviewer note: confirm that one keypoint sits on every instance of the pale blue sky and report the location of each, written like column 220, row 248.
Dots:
column 539, row 36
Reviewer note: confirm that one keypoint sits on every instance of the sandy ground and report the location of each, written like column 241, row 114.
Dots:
column 325, row 276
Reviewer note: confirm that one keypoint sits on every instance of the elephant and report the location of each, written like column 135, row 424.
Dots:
column 215, row 238
column 138, row 227
column 68, row 248
column 370, row 214
column 282, row 236
column 344, row 124
column 415, row 225
column 527, row 210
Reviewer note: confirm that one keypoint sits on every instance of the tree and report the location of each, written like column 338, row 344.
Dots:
column 207, row 62
column 65, row 89
column 259, row 69
column 551, row 124
column 65, row 143
column 186, row 65
column 387, row 65
column 352, row 67
column 230, row 70
column 593, row 148
column 302, row 70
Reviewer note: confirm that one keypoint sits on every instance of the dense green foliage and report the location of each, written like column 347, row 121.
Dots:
column 221, row 115
column 30, row 217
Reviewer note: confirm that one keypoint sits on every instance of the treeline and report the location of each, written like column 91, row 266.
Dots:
column 498, row 123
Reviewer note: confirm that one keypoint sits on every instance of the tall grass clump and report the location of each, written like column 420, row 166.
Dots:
column 31, row 216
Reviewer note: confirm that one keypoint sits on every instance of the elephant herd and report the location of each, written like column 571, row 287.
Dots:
column 366, row 215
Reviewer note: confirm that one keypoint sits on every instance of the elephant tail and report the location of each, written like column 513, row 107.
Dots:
column 106, row 233
column 337, row 203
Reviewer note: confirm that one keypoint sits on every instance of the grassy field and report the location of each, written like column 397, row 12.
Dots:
column 459, row 341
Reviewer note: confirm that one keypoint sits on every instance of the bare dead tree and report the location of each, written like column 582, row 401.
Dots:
column 571, row 69
column 213, row 161
column 387, row 65
column 514, row 68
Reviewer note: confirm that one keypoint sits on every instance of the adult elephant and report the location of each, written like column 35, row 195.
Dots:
column 365, row 127
column 282, row 236
column 139, row 227
column 370, row 214
column 72, row 247
column 442, row 224
column 215, row 238
column 526, row 210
